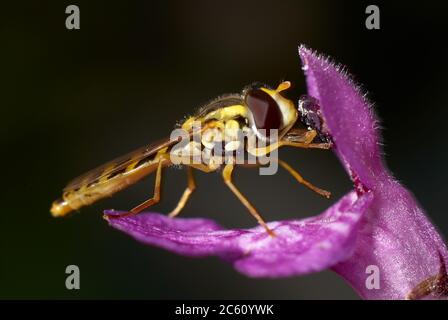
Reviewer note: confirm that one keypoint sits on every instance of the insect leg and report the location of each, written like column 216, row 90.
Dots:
column 227, row 175
column 190, row 188
column 156, row 197
column 309, row 136
column 301, row 135
column 203, row 168
column 300, row 179
column 265, row 150
column 284, row 143
column 186, row 195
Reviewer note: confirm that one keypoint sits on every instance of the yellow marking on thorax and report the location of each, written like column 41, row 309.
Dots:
column 222, row 114
column 227, row 113
column 188, row 124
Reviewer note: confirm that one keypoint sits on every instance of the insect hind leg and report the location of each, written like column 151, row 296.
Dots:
column 157, row 191
column 155, row 198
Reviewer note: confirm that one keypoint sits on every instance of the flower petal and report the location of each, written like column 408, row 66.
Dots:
column 398, row 238
column 300, row 246
column 348, row 116
column 395, row 234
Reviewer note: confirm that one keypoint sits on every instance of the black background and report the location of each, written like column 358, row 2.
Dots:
column 74, row 99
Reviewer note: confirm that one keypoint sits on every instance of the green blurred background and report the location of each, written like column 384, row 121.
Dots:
column 74, row 99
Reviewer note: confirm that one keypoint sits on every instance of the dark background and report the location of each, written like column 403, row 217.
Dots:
column 74, row 99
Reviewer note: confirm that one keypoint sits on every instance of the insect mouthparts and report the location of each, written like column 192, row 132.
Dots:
column 311, row 116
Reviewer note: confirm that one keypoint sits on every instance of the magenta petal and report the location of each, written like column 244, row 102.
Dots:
column 378, row 225
column 300, row 246
column 395, row 235
column 190, row 237
column 348, row 116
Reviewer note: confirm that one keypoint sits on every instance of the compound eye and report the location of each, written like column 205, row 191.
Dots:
column 265, row 110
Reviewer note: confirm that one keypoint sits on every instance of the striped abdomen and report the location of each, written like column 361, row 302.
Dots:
column 110, row 178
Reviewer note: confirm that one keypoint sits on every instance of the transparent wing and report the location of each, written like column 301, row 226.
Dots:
column 119, row 165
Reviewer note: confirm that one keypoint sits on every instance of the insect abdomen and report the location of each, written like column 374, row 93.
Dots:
column 108, row 185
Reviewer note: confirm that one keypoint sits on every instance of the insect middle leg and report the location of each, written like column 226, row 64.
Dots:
column 227, row 175
column 186, row 195
column 191, row 183
column 301, row 180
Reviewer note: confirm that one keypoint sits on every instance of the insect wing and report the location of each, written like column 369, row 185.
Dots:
column 119, row 165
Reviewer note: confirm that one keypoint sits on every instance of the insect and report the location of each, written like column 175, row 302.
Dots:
column 257, row 110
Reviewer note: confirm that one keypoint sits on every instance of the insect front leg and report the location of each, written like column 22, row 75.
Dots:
column 283, row 143
column 227, row 175
column 309, row 136
column 324, row 145
column 300, row 135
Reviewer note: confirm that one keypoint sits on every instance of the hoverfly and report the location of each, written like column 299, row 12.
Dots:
column 256, row 109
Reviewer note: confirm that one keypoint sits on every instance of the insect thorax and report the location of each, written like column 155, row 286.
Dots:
column 229, row 137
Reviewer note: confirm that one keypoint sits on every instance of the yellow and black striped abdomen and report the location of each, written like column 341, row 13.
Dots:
column 110, row 178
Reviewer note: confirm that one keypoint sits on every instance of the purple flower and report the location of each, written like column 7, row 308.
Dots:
column 378, row 226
